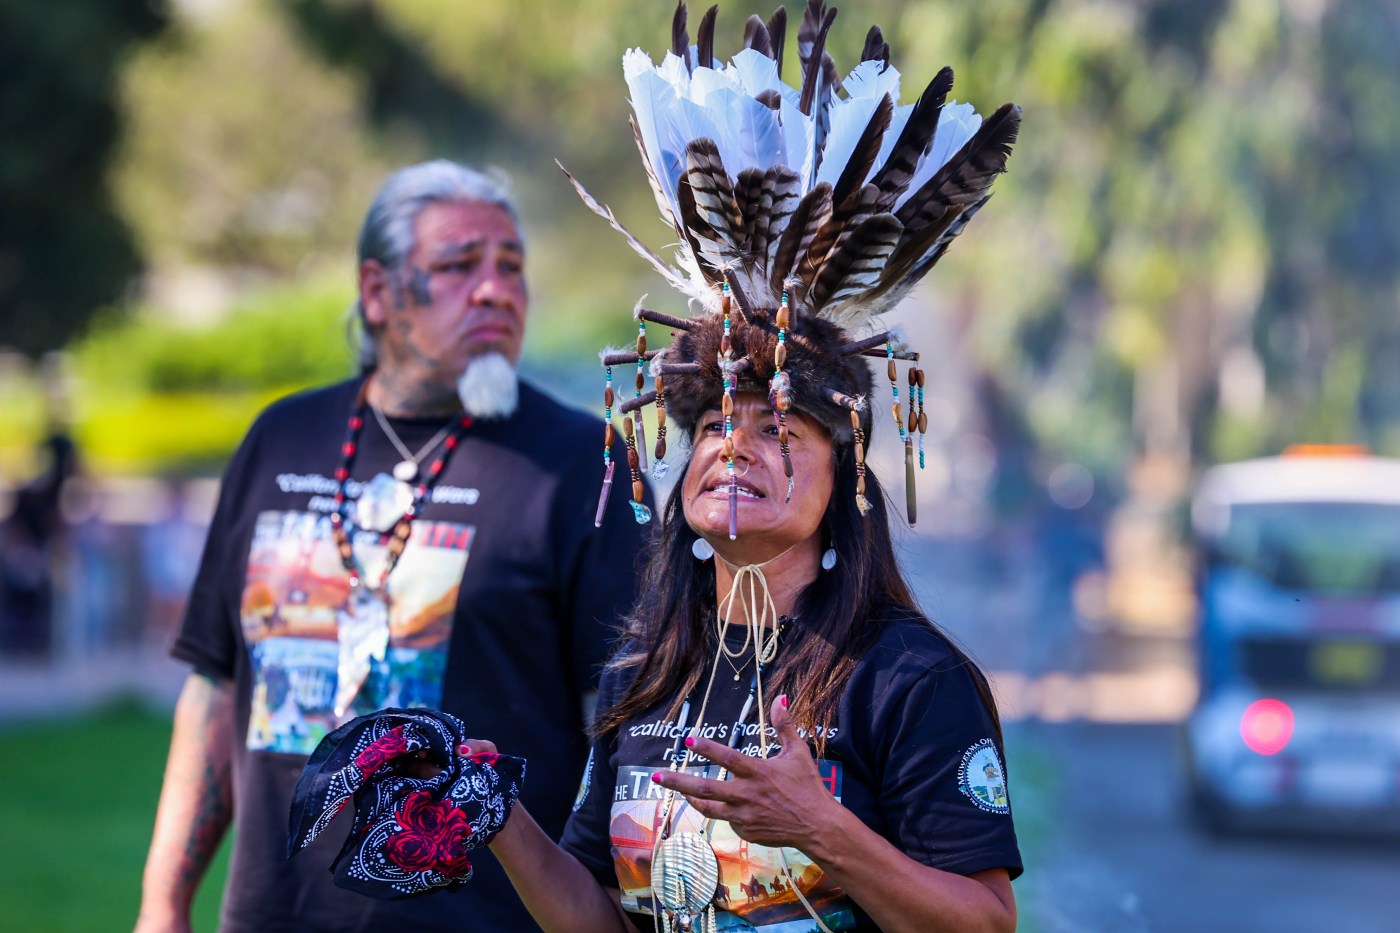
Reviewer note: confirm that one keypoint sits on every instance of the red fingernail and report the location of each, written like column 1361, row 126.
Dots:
column 656, row 777
column 783, row 700
column 464, row 749
column 690, row 741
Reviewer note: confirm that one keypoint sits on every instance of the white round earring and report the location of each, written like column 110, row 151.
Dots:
column 702, row 549
column 829, row 558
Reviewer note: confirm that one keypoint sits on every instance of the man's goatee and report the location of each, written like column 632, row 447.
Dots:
column 488, row 389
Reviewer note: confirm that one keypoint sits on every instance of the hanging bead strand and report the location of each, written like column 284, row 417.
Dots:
column 659, row 466
column 782, row 391
column 639, row 508
column 608, row 436
column 726, row 357
column 641, row 383
column 862, row 503
column 923, row 417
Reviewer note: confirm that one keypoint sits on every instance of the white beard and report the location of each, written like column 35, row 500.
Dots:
column 489, row 389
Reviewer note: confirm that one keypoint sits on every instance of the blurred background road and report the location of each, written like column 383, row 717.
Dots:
column 1194, row 260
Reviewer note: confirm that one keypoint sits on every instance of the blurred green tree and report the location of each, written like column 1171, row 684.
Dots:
column 64, row 249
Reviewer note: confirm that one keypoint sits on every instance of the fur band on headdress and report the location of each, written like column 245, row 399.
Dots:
column 802, row 215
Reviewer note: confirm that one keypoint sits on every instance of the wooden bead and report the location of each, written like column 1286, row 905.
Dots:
column 898, row 413
column 894, row 373
column 608, row 397
column 913, row 376
column 782, row 434
column 855, row 421
column 782, row 317
column 637, row 490
column 661, row 447
column 923, row 422
column 641, row 380
column 633, row 460
column 641, row 344
column 627, row 428
column 609, row 435
column 921, row 378
column 729, row 448
column 726, row 404
column 660, row 384
column 724, row 304
column 913, row 419
column 780, row 356
column 403, row 530
column 726, row 346
column 787, row 466
column 661, row 419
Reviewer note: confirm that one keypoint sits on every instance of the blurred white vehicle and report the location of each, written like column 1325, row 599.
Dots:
column 1298, row 721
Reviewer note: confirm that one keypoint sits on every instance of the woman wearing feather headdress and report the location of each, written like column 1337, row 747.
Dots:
column 871, row 793
column 784, row 739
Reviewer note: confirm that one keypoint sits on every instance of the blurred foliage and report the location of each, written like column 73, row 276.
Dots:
column 63, row 248
column 1196, row 252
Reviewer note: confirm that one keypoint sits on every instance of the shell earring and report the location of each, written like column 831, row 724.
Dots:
column 829, row 558
column 702, row 549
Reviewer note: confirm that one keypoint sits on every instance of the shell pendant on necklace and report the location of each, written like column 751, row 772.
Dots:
column 406, row 471
column 685, row 875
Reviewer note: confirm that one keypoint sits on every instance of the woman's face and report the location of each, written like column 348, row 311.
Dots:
column 767, row 523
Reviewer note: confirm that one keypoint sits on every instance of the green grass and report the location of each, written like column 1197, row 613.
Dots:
column 77, row 803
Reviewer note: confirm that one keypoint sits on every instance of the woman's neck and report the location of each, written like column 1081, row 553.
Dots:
column 787, row 575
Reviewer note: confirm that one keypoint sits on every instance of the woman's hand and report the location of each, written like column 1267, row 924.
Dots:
column 779, row 801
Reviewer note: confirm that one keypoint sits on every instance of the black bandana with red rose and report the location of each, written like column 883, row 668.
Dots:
column 410, row 835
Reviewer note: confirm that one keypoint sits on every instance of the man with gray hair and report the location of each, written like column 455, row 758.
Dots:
column 421, row 535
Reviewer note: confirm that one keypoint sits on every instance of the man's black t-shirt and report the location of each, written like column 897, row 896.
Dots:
column 502, row 605
column 913, row 753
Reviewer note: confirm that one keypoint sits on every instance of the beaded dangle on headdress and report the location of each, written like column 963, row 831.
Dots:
column 799, row 224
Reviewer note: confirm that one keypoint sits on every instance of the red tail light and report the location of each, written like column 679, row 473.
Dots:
column 1266, row 726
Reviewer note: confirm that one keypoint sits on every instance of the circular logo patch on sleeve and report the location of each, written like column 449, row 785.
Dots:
column 982, row 778
column 585, row 783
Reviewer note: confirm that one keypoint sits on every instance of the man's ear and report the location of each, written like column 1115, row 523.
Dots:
column 376, row 292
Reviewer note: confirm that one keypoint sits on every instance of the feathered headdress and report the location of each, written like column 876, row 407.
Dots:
column 802, row 215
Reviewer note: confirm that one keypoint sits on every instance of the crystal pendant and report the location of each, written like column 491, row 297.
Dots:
column 383, row 501
column 640, row 512
column 363, row 633
column 659, row 469
column 406, row 471
column 685, row 874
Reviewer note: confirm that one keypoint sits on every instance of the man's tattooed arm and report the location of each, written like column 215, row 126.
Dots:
column 196, row 804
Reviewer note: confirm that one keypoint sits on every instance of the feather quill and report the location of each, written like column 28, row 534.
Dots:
column 756, row 36
column 705, row 39
column 668, row 272
column 680, row 36
column 812, row 211
column 862, row 157
column 914, row 140
column 777, row 35
column 855, row 262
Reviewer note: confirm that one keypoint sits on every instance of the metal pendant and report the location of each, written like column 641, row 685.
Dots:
column 363, row 633
column 383, row 501
column 685, row 876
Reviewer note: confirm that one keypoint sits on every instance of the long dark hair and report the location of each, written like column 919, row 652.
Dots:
column 670, row 637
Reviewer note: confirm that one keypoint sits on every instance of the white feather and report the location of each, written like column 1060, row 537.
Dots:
column 868, row 80
column 956, row 124
column 849, row 119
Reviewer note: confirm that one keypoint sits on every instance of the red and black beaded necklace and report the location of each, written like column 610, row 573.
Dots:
column 397, row 536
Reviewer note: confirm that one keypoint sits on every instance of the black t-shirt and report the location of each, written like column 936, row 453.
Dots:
column 913, row 753
column 502, row 607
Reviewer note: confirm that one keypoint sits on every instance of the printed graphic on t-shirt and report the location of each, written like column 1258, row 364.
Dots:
column 756, row 890
column 295, row 589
